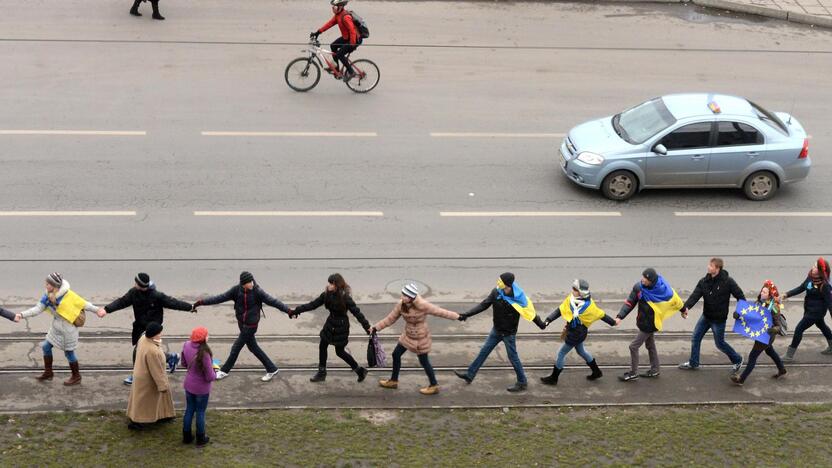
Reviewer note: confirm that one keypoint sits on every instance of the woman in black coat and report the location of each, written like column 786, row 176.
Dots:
column 817, row 302
column 336, row 332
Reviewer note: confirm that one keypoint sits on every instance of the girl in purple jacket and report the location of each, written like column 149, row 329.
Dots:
column 198, row 359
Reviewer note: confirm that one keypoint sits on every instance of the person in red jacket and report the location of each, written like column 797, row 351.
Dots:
column 349, row 40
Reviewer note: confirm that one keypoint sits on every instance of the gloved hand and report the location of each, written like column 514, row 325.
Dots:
column 367, row 330
column 197, row 304
column 314, row 34
column 546, row 322
column 774, row 330
column 462, row 317
column 736, row 316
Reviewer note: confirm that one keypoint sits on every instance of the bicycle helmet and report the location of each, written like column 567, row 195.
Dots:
column 338, row 2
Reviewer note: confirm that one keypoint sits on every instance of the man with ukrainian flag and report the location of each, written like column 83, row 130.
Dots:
column 656, row 302
column 509, row 303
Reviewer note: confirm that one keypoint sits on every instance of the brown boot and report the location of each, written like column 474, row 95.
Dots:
column 47, row 369
column 75, row 378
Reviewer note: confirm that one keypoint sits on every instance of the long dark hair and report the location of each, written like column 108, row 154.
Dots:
column 342, row 289
column 200, row 356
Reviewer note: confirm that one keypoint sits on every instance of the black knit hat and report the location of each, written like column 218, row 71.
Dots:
column 153, row 329
column 142, row 280
column 651, row 275
column 508, row 278
column 246, row 277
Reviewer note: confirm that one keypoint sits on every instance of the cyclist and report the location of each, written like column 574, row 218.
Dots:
column 349, row 40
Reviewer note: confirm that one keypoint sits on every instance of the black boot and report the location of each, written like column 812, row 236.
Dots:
column 135, row 10
column 320, row 376
column 187, row 437
column 552, row 379
column 362, row 373
column 596, row 372
column 539, row 322
column 156, row 14
column 202, row 440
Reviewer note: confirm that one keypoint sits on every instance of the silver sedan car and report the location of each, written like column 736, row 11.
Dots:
column 688, row 140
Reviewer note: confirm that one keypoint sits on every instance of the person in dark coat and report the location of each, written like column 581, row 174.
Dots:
column 716, row 289
column 817, row 302
column 153, row 3
column 336, row 331
column 148, row 306
column 248, row 299
column 506, row 319
column 769, row 299
column 7, row 314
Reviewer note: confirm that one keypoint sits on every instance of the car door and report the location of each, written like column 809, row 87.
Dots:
column 738, row 144
column 686, row 162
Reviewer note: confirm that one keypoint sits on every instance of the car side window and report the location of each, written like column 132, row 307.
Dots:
column 738, row 133
column 696, row 135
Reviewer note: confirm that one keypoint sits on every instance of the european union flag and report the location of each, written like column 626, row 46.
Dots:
column 754, row 321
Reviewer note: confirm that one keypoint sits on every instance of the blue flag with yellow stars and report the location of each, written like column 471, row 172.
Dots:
column 754, row 321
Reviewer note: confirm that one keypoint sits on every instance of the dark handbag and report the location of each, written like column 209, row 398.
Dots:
column 784, row 325
column 375, row 353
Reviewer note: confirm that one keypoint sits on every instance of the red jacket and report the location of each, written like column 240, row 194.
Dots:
column 345, row 24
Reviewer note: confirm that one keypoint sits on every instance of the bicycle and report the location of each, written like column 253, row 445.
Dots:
column 305, row 70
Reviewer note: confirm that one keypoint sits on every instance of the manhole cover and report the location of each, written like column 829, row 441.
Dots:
column 394, row 288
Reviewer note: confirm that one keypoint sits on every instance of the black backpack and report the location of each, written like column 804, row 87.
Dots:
column 360, row 25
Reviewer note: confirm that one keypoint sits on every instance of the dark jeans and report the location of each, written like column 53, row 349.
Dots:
column 195, row 404
column 804, row 325
column 756, row 351
column 340, row 351
column 491, row 342
column 423, row 360
column 341, row 47
column 718, row 329
column 247, row 339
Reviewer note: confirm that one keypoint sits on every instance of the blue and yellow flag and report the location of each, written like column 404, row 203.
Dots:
column 522, row 304
column 754, row 322
column 590, row 313
column 663, row 300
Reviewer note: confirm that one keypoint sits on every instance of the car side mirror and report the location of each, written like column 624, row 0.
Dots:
column 660, row 149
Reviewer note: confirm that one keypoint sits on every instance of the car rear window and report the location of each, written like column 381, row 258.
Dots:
column 737, row 133
column 769, row 118
column 640, row 123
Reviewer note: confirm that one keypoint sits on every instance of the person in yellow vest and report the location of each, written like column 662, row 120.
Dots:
column 68, row 313
column 579, row 312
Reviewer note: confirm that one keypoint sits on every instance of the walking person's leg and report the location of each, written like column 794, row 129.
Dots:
column 487, row 347
column 251, row 344
column 699, row 332
column 510, row 341
column 320, row 376
column 718, row 330
column 156, row 14
column 552, row 379
column 801, row 327
column 47, row 374
column 236, row 347
column 756, row 350
column 74, row 367
column 341, row 352
column 393, row 381
column 424, row 360
column 781, row 369
column 188, row 418
column 134, row 10
column 635, row 346
column 582, row 352
column 590, row 361
column 655, row 366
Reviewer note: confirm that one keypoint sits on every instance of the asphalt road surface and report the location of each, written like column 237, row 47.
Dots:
column 135, row 145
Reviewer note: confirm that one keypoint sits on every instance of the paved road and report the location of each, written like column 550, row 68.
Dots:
column 527, row 71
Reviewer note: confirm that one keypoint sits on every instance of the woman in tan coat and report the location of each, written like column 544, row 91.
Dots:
column 416, row 335
column 150, row 399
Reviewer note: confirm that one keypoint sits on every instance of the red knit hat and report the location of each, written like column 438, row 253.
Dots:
column 823, row 268
column 199, row 334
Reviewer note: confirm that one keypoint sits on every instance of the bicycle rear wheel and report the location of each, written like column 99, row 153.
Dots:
column 366, row 76
column 302, row 74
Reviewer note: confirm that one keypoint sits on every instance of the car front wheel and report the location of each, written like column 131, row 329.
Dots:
column 619, row 185
column 760, row 186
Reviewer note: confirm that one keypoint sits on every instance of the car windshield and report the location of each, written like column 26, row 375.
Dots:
column 638, row 124
column 769, row 118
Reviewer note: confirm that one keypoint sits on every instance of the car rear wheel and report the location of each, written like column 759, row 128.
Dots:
column 760, row 186
column 619, row 185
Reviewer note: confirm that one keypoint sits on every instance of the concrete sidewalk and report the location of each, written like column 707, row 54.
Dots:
column 811, row 12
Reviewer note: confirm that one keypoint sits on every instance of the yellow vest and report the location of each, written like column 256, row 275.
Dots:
column 589, row 316
column 70, row 306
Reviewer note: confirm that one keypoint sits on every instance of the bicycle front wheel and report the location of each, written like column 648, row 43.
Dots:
column 366, row 76
column 302, row 74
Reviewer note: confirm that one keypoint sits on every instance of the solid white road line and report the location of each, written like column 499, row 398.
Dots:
column 66, row 213
column 291, row 213
column 495, row 135
column 749, row 214
column 530, row 214
column 291, row 134
column 76, row 132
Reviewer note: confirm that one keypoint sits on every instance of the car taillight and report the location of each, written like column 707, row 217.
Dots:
column 804, row 153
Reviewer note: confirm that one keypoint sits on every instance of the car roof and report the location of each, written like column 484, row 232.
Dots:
column 684, row 106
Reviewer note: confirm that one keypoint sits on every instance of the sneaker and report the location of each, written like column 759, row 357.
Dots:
column 269, row 376
column 628, row 376
column 650, row 374
column 463, row 376
column 429, row 390
column 518, row 387
column 128, row 380
column 687, row 366
column 736, row 367
column 736, row 379
column 389, row 383
column 221, row 375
